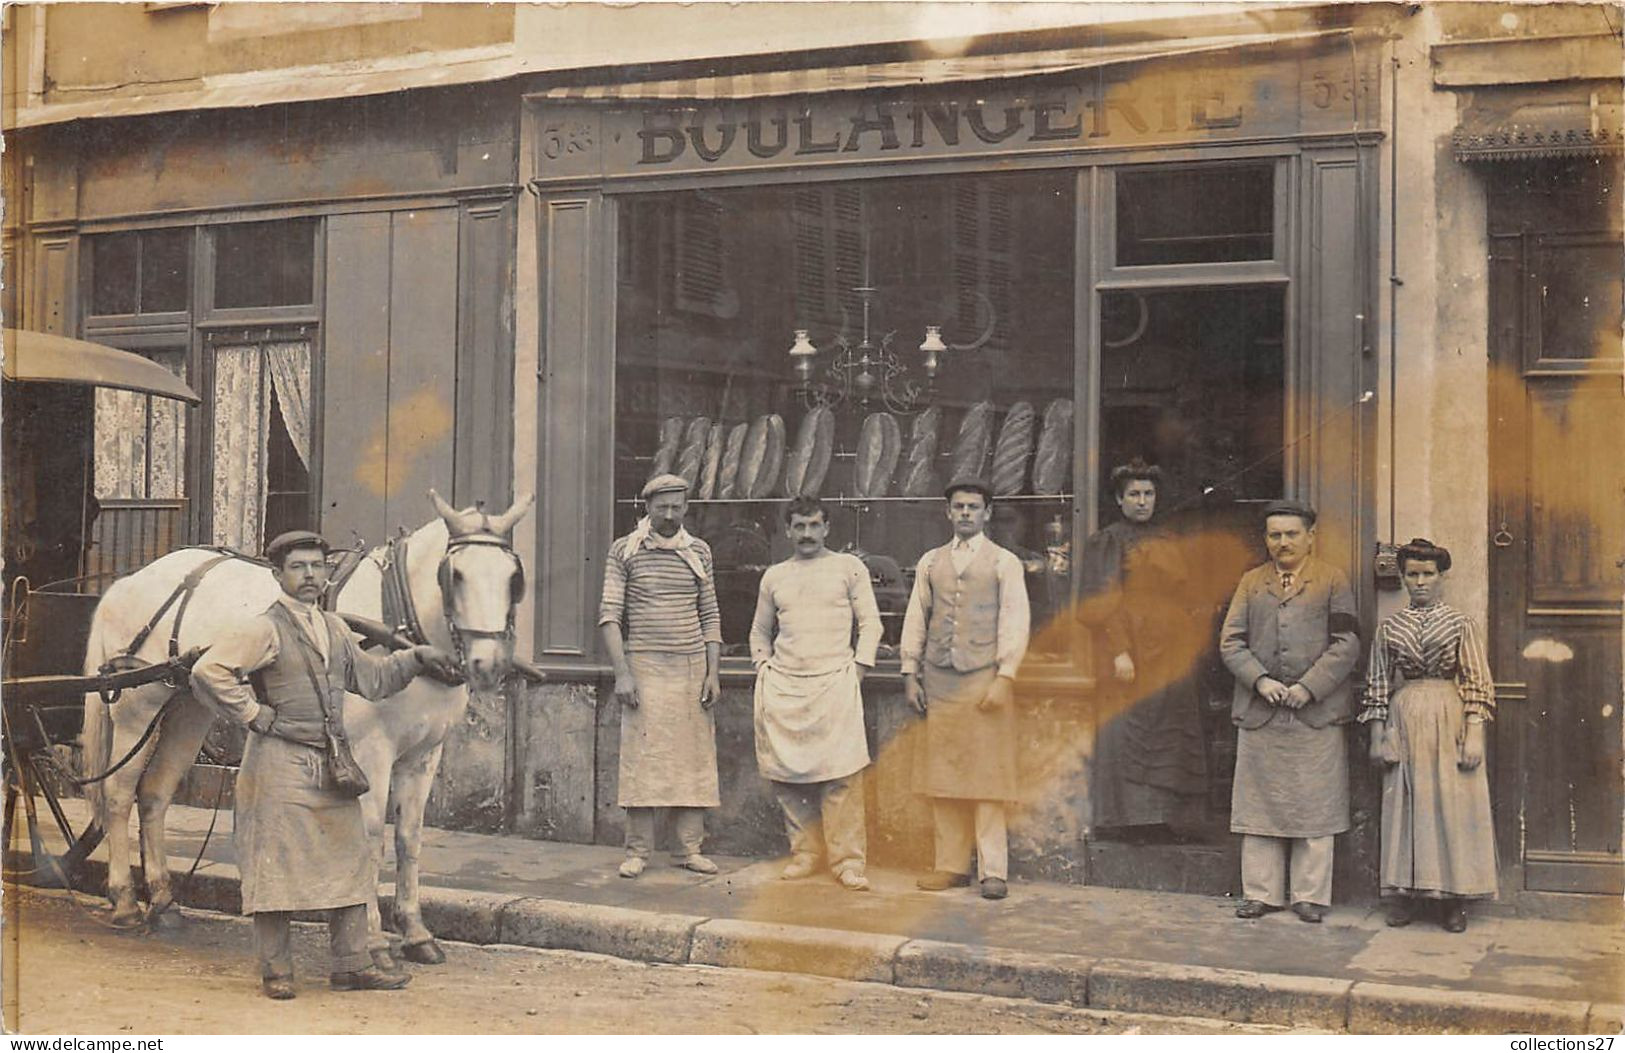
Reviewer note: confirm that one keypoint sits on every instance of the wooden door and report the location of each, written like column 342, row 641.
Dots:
column 1557, row 525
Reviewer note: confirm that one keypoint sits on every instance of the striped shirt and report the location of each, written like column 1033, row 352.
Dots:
column 657, row 601
column 1436, row 642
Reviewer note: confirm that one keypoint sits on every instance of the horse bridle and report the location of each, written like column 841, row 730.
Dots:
column 516, row 590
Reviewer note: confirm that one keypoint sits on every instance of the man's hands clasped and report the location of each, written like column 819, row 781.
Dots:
column 1278, row 694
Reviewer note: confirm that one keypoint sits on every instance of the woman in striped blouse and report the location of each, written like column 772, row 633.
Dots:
column 1438, row 841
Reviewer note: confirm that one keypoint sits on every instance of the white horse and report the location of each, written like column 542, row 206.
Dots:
column 463, row 579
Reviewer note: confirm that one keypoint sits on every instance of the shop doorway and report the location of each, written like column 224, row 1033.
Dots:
column 1557, row 523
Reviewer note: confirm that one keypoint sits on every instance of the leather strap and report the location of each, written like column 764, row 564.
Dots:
column 400, row 613
column 183, row 593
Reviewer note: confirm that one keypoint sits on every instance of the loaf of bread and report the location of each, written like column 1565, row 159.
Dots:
column 975, row 439
column 692, row 459
column 772, row 458
column 671, row 437
column 1014, row 447
column 807, row 462
column 728, row 475
column 879, row 443
column 713, row 462
column 1052, row 467
column 920, row 470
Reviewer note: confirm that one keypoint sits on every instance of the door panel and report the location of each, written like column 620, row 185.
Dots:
column 1557, row 524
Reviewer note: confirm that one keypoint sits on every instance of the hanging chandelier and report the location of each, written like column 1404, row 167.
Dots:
column 868, row 371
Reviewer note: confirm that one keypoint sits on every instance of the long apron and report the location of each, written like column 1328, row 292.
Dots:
column 298, row 846
column 1292, row 780
column 1438, row 837
column 668, row 741
column 809, row 728
column 965, row 753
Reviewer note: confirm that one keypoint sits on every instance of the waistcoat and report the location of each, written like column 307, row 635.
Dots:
column 284, row 685
column 962, row 628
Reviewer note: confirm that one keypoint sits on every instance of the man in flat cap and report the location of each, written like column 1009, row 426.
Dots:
column 663, row 631
column 300, row 841
column 1291, row 640
column 963, row 640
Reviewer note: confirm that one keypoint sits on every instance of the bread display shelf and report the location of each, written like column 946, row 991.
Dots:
column 841, row 499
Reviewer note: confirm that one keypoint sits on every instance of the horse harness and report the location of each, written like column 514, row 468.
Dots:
column 400, row 612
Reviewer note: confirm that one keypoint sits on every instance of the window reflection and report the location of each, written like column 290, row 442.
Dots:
column 713, row 286
column 1199, row 214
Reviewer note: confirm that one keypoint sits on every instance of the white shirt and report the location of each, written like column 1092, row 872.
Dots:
column 308, row 617
column 1014, row 615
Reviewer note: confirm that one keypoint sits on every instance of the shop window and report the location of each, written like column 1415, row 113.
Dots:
column 1209, row 213
column 266, row 264
column 140, row 440
column 1194, row 380
column 140, row 272
column 935, row 252
column 260, row 467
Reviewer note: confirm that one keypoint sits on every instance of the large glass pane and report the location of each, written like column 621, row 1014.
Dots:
column 1194, row 380
column 714, row 285
column 166, row 269
column 1199, row 214
column 113, row 273
column 269, row 264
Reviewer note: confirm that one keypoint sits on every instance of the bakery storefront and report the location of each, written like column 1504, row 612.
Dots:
column 858, row 282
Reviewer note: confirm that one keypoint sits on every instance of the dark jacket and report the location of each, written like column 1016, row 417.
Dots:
column 1310, row 636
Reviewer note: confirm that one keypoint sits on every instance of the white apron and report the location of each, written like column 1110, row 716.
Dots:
column 809, row 728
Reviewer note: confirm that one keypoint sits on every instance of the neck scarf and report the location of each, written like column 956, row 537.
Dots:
column 681, row 542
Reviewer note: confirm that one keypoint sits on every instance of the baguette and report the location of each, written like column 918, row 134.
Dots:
column 975, row 439
column 729, row 474
column 1052, row 466
column 879, row 443
column 772, row 458
column 671, row 437
column 919, row 474
column 693, row 455
column 750, row 458
column 1015, row 446
column 808, row 460
column 713, row 462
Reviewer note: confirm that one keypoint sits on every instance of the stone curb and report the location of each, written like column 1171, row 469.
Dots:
column 1357, row 1007
column 796, row 949
column 1376, row 1008
column 618, row 931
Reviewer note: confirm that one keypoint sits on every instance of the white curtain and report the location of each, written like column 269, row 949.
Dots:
column 121, row 444
column 288, row 362
column 239, row 448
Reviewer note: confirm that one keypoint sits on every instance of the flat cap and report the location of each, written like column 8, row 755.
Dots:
column 664, row 484
column 1289, row 507
column 972, row 484
column 285, row 543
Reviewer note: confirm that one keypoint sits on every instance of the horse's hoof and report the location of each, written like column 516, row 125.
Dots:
column 427, row 952
column 128, row 920
column 386, row 961
column 166, row 920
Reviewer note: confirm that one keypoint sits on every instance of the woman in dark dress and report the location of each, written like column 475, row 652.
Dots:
column 1149, row 773
column 1428, row 695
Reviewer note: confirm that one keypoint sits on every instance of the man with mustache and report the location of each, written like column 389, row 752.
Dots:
column 301, row 844
column 663, row 630
column 1291, row 640
column 963, row 639
column 810, row 741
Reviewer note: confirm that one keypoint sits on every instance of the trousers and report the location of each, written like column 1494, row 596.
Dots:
column 687, row 823
column 955, row 821
column 346, row 938
column 825, row 819
column 1265, row 869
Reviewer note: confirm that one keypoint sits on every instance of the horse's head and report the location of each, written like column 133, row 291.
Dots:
column 481, row 582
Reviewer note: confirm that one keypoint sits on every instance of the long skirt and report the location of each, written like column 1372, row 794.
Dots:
column 1292, row 780
column 1438, row 838
column 298, row 846
column 1149, row 763
column 668, row 741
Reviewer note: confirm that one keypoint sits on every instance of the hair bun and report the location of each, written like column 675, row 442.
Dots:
column 1420, row 542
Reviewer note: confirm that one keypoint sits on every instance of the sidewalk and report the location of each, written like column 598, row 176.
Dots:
column 1105, row 948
